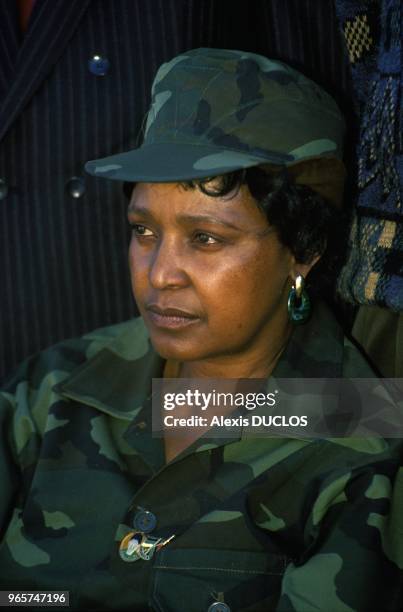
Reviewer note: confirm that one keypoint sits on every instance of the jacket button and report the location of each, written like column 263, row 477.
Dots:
column 98, row 65
column 145, row 521
column 75, row 187
column 3, row 189
column 218, row 606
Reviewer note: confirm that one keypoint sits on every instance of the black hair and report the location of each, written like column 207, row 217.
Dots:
column 305, row 221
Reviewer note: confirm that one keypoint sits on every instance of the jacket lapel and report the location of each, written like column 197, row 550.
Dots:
column 52, row 25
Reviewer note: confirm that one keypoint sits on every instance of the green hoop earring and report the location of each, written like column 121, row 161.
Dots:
column 299, row 304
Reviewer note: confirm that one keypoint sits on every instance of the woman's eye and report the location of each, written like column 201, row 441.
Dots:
column 203, row 238
column 140, row 230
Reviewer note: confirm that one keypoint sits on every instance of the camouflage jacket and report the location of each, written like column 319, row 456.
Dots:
column 261, row 524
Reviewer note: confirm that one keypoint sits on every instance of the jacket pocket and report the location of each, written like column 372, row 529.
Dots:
column 190, row 580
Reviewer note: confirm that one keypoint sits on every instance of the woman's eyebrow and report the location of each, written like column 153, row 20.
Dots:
column 207, row 219
column 133, row 208
column 184, row 218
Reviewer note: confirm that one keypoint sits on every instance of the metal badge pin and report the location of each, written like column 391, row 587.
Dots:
column 148, row 547
column 130, row 546
column 166, row 541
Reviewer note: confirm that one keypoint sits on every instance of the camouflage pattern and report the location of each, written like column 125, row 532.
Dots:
column 216, row 110
column 261, row 524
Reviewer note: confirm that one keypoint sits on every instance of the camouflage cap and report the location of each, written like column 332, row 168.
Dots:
column 215, row 110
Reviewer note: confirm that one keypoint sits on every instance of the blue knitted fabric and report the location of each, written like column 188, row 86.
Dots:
column 373, row 273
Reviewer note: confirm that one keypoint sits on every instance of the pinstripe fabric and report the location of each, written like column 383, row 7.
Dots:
column 50, row 28
column 63, row 261
column 9, row 43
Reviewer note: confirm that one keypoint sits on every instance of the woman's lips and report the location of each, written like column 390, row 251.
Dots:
column 170, row 318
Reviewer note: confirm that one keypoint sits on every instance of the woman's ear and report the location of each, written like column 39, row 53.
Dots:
column 303, row 268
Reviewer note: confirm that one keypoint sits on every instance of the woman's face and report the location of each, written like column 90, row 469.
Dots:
column 209, row 275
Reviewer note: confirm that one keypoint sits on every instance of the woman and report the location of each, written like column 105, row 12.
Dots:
column 223, row 237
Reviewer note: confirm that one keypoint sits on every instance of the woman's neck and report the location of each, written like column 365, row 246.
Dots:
column 252, row 364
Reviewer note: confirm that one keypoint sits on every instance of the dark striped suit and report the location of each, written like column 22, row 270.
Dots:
column 63, row 258
column 63, row 237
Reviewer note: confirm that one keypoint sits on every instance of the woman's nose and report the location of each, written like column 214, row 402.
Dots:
column 168, row 266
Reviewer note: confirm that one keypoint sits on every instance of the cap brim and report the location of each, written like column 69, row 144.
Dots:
column 171, row 162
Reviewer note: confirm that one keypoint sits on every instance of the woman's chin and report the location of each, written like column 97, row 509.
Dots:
column 170, row 350
column 176, row 351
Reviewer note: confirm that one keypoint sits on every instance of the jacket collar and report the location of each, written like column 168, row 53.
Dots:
column 315, row 350
column 117, row 379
